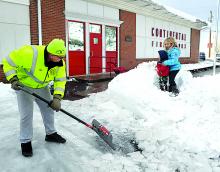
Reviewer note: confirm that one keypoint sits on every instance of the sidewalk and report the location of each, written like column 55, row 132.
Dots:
column 96, row 78
column 202, row 65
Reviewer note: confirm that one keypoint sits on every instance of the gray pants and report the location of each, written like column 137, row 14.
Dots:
column 25, row 106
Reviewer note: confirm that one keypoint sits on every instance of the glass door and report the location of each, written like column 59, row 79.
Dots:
column 77, row 62
column 111, row 48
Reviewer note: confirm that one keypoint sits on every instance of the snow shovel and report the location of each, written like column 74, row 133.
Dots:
column 96, row 126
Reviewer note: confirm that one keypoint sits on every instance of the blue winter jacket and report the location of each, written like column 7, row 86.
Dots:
column 173, row 59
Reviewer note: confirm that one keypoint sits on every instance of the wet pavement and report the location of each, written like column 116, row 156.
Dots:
column 205, row 71
column 82, row 86
column 76, row 90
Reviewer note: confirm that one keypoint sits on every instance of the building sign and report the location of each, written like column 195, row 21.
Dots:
column 128, row 38
column 159, row 32
column 164, row 33
column 151, row 33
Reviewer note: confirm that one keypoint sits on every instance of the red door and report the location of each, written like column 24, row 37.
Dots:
column 95, row 60
column 76, row 41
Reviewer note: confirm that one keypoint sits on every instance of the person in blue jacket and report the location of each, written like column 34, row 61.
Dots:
column 173, row 62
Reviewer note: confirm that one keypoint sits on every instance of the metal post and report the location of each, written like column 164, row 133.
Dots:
column 216, row 39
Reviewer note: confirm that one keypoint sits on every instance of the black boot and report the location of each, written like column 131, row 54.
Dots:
column 55, row 138
column 169, row 89
column 162, row 88
column 166, row 88
column 162, row 84
column 174, row 90
column 26, row 149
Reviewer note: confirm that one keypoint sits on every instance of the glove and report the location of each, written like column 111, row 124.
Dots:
column 55, row 104
column 15, row 84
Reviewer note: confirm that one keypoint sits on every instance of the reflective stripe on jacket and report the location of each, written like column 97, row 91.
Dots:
column 29, row 66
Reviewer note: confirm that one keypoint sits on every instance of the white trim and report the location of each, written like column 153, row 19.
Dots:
column 91, row 19
column 23, row 2
column 103, row 50
column 87, row 40
column 67, row 47
column 149, row 8
column 118, row 50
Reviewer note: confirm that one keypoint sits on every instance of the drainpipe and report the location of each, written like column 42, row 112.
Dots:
column 39, row 22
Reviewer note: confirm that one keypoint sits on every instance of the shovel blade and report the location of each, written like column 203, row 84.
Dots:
column 103, row 133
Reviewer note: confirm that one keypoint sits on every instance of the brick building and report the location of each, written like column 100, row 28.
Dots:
column 99, row 34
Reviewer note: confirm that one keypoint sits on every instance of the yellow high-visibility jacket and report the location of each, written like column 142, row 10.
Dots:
column 28, row 64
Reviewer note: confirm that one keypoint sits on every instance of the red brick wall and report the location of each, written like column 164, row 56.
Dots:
column 127, row 49
column 33, row 22
column 194, row 48
column 195, row 40
column 53, row 20
column 2, row 75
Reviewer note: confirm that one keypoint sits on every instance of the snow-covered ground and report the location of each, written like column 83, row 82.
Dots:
column 176, row 133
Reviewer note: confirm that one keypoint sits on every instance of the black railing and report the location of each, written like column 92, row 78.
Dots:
column 111, row 63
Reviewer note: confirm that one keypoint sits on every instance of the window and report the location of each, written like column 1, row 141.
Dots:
column 94, row 28
column 76, row 36
column 110, row 38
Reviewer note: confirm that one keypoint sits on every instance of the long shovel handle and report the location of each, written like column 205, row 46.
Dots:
column 74, row 117
column 96, row 126
column 62, row 110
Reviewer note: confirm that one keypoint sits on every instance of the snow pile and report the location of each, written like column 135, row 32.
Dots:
column 176, row 133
